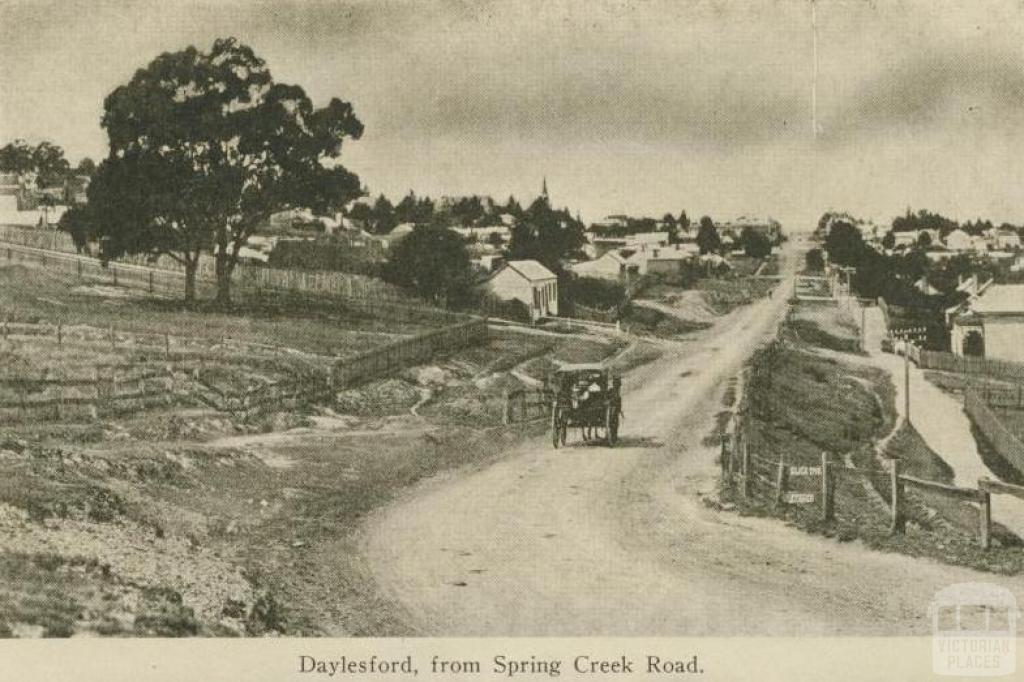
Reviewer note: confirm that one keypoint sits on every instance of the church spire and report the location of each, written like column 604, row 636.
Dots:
column 544, row 188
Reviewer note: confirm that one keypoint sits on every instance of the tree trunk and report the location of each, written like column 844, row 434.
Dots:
column 190, row 280
column 224, row 278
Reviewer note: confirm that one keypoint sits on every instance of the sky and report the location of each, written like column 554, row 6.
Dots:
column 624, row 106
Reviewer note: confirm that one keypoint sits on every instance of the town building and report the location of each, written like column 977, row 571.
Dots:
column 991, row 323
column 958, row 240
column 1006, row 240
column 612, row 265
column 528, row 282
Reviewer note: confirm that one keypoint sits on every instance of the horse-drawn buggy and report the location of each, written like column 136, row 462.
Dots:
column 587, row 397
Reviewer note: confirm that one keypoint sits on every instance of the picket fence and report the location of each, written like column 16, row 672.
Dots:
column 339, row 284
column 947, row 362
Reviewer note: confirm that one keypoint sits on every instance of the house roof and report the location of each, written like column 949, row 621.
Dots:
column 1000, row 298
column 531, row 270
column 401, row 229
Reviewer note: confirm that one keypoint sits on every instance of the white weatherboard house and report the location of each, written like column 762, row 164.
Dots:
column 529, row 282
column 992, row 325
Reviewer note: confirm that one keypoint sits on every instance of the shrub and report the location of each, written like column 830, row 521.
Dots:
column 593, row 292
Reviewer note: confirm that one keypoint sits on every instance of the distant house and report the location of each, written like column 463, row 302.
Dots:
column 397, row 234
column 991, row 324
column 487, row 263
column 530, row 283
column 612, row 265
column 665, row 260
column 979, row 244
column 641, row 239
column 9, row 188
column 714, row 263
column 958, row 240
column 907, row 238
column 484, row 233
column 1006, row 240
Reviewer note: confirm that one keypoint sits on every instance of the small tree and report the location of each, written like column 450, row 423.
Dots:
column 77, row 223
column 708, row 239
column 755, row 244
column 814, row 261
column 844, row 244
column 432, row 262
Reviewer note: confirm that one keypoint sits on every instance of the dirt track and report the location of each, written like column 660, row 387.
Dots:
column 597, row 541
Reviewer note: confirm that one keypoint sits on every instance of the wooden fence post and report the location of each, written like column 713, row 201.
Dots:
column 113, row 342
column 906, row 379
column 60, row 335
column 506, row 414
column 150, row 281
column 827, row 489
column 734, row 444
column 898, row 520
column 780, row 481
column 745, row 463
column 723, row 457
column 984, row 518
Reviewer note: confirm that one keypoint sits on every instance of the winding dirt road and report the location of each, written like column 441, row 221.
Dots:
column 588, row 540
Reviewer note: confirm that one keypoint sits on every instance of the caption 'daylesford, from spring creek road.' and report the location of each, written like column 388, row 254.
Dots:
column 501, row 665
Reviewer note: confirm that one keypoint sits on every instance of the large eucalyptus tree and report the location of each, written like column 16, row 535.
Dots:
column 204, row 147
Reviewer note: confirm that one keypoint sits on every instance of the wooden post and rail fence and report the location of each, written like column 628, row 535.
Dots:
column 777, row 476
column 102, row 389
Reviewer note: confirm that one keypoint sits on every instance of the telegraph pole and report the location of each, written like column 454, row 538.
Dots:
column 906, row 378
column 863, row 328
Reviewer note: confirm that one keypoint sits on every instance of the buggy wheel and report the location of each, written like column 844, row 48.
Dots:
column 611, row 424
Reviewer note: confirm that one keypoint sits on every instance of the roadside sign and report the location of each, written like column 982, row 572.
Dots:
column 804, row 471
column 799, row 498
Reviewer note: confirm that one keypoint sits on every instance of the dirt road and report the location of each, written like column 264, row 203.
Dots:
column 597, row 541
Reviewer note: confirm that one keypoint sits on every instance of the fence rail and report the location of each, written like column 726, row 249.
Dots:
column 1006, row 443
column 761, row 475
column 525, row 405
column 405, row 352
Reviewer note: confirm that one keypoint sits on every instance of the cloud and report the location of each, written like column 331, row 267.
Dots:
column 930, row 91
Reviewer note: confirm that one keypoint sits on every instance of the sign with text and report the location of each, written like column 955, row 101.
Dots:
column 799, row 498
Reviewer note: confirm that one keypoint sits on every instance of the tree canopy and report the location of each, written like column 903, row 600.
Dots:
column 755, row 244
column 546, row 235
column 845, row 245
column 204, row 147
column 45, row 160
column 708, row 239
column 432, row 262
